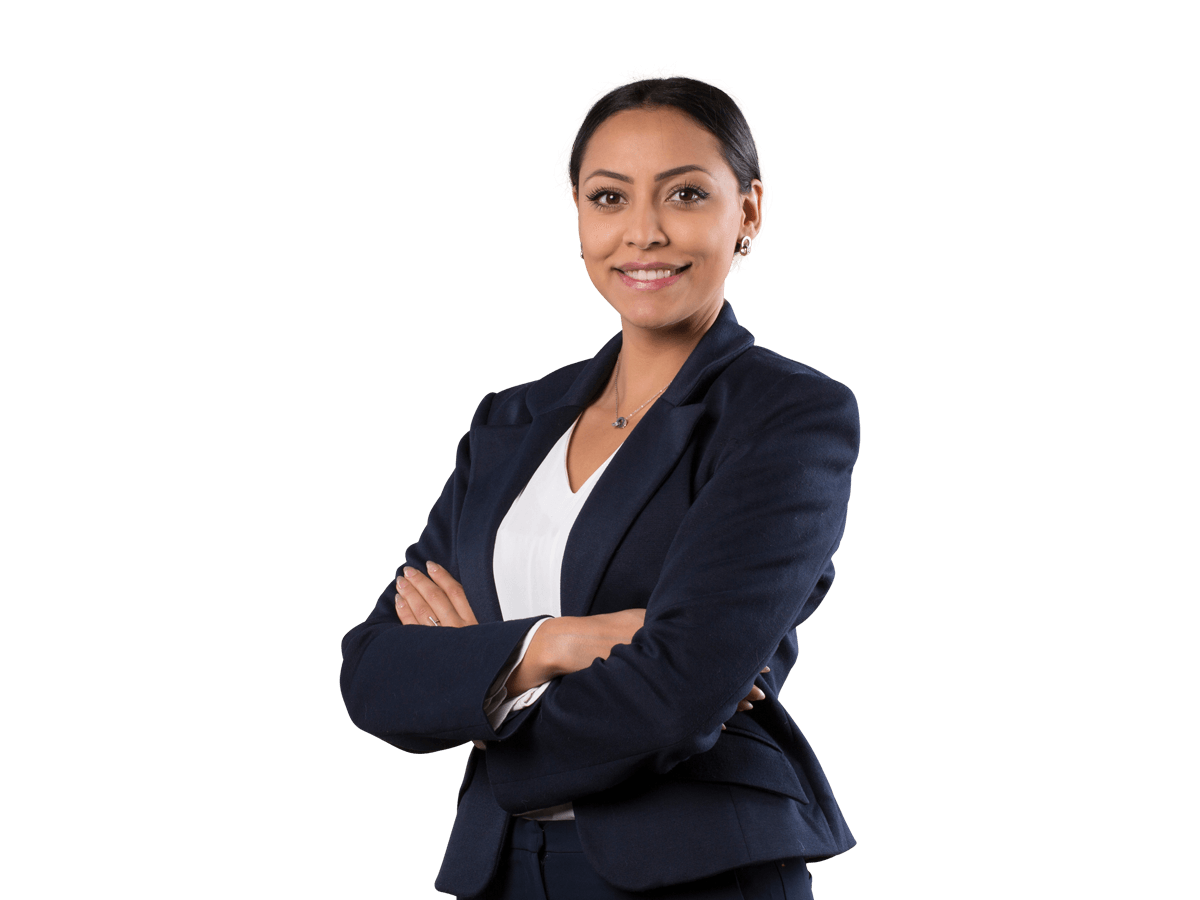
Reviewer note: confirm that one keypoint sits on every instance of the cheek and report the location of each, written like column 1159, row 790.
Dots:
column 709, row 234
column 597, row 232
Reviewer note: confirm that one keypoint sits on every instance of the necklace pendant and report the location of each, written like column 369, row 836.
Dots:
column 621, row 422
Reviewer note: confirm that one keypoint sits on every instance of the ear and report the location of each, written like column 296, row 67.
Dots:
column 753, row 203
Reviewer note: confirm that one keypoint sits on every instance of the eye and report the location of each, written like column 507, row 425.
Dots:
column 605, row 198
column 610, row 198
column 688, row 195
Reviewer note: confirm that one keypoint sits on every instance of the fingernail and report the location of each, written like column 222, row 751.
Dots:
column 433, row 567
column 766, row 668
column 401, row 585
column 722, row 727
column 409, row 571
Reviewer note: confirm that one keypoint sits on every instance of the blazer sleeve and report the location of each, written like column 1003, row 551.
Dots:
column 424, row 689
column 499, row 705
column 750, row 561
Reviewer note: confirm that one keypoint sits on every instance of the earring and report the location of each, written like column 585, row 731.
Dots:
column 742, row 246
column 581, row 251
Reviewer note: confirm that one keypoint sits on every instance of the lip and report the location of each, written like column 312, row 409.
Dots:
column 656, row 285
column 633, row 266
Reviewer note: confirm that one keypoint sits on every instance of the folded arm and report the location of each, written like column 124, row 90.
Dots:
column 424, row 688
column 750, row 561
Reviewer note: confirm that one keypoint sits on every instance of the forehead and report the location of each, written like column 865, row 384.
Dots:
column 652, row 140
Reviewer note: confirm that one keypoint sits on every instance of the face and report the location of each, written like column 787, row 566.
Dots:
column 660, row 213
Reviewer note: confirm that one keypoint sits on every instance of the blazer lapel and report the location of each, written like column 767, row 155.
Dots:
column 642, row 463
column 504, row 458
column 635, row 473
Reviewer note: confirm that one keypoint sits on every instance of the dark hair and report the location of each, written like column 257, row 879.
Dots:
column 711, row 108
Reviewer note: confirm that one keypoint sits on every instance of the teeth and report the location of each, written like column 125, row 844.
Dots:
column 650, row 274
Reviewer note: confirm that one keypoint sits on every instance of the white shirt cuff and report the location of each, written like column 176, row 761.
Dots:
column 498, row 704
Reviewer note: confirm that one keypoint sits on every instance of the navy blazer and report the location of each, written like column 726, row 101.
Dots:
column 719, row 515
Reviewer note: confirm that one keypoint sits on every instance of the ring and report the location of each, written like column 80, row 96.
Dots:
column 434, row 621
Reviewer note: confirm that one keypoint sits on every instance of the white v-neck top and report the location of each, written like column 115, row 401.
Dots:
column 527, row 564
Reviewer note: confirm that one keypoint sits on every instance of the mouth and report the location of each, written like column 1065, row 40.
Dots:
column 651, row 275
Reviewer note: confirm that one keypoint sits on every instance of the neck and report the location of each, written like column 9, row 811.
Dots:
column 651, row 357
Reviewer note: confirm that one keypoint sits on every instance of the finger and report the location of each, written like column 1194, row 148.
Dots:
column 414, row 602
column 435, row 598
column 764, row 669
column 722, row 727
column 403, row 607
column 744, row 705
column 480, row 744
column 756, row 693
column 453, row 590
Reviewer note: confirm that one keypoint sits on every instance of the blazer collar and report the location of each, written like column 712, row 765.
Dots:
column 717, row 347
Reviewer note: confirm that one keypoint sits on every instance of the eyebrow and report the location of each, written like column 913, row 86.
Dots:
column 661, row 176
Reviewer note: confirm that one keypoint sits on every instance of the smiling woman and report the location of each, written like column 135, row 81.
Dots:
column 604, row 600
column 661, row 205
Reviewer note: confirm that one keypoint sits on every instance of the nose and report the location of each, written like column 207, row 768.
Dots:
column 644, row 227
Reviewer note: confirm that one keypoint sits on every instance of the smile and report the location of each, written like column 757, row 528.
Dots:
column 651, row 274
column 651, row 279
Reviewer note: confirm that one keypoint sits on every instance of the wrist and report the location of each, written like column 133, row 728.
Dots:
column 541, row 661
column 550, row 648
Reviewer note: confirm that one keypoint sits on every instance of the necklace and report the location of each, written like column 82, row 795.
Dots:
column 622, row 421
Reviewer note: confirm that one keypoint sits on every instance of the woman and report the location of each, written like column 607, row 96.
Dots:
column 605, row 597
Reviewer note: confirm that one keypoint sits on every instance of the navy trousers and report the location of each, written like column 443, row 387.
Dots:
column 543, row 861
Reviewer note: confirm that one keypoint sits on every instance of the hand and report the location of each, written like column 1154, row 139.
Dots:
column 756, row 693
column 581, row 640
column 421, row 600
column 568, row 644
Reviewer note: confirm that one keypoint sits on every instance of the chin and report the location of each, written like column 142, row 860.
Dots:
column 649, row 312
